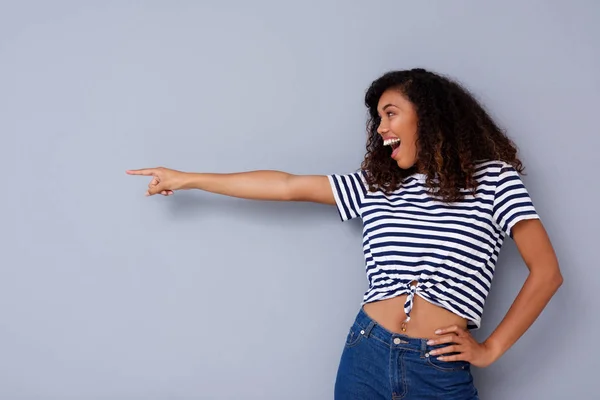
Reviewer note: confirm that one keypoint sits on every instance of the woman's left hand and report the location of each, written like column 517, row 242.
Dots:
column 478, row 354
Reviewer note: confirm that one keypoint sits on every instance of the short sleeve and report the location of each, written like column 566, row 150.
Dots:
column 512, row 202
column 349, row 192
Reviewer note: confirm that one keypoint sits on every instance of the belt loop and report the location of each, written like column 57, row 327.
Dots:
column 369, row 328
column 423, row 347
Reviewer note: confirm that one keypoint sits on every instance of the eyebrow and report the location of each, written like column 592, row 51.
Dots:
column 388, row 106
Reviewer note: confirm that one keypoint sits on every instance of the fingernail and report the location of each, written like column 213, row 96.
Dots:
column 430, row 342
column 438, row 331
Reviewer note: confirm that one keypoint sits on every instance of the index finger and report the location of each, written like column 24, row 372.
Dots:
column 143, row 171
column 453, row 328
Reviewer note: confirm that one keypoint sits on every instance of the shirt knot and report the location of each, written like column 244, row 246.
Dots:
column 408, row 304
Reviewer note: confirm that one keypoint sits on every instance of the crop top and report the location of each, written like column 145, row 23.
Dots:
column 449, row 249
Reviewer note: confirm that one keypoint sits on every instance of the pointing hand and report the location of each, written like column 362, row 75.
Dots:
column 164, row 181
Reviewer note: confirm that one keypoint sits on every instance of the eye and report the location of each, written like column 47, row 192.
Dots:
column 388, row 114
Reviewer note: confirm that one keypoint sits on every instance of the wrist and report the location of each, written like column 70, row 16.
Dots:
column 187, row 180
column 495, row 349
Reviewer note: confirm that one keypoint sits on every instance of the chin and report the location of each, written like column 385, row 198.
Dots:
column 405, row 165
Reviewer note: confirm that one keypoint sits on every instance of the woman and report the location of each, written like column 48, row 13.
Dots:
column 438, row 191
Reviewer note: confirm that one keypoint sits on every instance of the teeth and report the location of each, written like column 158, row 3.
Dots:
column 390, row 142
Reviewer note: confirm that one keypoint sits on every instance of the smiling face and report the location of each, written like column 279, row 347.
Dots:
column 398, row 127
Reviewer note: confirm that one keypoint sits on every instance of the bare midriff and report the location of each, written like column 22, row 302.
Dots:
column 425, row 317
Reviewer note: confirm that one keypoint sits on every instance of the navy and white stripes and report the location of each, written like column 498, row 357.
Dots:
column 450, row 250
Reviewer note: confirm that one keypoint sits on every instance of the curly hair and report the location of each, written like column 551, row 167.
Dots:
column 454, row 132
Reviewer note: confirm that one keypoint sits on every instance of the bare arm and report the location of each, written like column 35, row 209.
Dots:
column 255, row 185
column 543, row 281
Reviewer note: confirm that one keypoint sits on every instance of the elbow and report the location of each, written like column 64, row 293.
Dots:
column 552, row 279
column 554, row 282
column 557, row 279
column 288, row 190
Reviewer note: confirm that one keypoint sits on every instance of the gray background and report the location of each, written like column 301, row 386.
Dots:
column 107, row 294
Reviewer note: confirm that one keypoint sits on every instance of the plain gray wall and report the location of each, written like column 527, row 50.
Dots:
column 107, row 294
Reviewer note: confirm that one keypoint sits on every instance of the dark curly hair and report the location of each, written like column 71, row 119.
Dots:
column 454, row 132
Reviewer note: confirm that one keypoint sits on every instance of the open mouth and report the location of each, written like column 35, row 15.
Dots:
column 394, row 143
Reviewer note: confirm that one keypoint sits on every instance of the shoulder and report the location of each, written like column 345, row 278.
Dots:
column 355, row 180
column 495, row 171
column 493, row 166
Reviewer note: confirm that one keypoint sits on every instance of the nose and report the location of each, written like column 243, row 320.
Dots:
column 381, row 129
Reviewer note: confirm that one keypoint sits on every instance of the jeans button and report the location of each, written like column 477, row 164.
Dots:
column 397, row 341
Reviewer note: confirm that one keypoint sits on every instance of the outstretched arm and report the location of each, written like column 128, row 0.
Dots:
column 255, row 185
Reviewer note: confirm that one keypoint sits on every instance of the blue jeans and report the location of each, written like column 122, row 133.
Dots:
column 378, row 364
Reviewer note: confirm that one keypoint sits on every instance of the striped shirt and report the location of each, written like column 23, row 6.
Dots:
column 449, row 249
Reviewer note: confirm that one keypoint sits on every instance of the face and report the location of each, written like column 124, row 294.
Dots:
column 398, row 127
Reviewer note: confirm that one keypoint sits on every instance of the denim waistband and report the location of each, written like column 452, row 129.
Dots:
column 370, row 328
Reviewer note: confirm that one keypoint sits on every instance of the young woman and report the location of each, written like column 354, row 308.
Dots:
column 438, row 192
